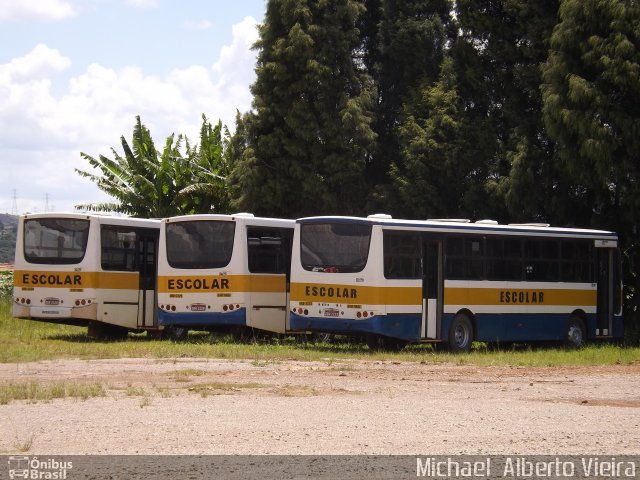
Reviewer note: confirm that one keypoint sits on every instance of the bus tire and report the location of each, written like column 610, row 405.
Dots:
column 374, row 342
column 460, row 334
column 176, row 333
column 380, row 342
column 107, row 332
column 321, row 337
column 576, row 334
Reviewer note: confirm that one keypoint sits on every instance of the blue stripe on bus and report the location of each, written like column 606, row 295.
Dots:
column 404, row 327
column 489, row 327
column 204, row 319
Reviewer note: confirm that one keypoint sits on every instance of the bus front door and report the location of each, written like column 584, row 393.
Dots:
column 606, row 291
column 432, row 288
column 147, row 263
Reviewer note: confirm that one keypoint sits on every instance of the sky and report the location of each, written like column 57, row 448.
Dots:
column 75, row 73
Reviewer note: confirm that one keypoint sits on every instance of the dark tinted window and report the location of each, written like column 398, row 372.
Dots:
column 541, row 262
column 464, row 258
column 402, row 257
column 577, row 261
column 118, row 248
column 504, row 259
column 55, row 240
column 269, row 249
column 334, row 247
column 199, row 243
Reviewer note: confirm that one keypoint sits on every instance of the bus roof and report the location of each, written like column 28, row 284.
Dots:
column 463, row 226
column 244, row 217
column 101, row 217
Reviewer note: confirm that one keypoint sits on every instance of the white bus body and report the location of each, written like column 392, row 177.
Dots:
column 225, row 273
column 401, row 281
column 82, row 269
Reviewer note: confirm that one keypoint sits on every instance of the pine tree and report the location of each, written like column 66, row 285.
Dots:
column 309, row 135
column 406, row 55
column 501, row 47
column 591, row 95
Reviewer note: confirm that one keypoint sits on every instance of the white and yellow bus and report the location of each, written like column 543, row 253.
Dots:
column 225, row 273
column 93, row 270
column 453, row 282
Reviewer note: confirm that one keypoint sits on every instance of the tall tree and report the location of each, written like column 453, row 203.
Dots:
column 591, row 94
column 309, row 135
column 405, row 55
column 500, row 48
column 146, row 182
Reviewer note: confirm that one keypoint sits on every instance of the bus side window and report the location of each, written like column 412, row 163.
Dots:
column 268, row 250
column 118, row 248
column 464, row 258
column 402, row 257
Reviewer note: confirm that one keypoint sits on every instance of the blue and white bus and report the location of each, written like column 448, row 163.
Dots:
column 454, row 282
column 224, row 273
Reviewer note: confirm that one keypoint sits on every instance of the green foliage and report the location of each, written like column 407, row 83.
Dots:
column 591, row 94
column 6, row 284
column 592, row 98
column 8, row 232
column 151, row 183
column 310, row 133
column 406, row 53
column 498, row 53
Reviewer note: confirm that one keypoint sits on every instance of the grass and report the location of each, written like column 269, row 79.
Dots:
column 25, row 445
column 218, row 388
column 33, row 391
column 25, row 341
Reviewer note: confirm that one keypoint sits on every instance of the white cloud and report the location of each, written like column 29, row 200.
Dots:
column 38, row 10
column 42, row 133
column 38, row 63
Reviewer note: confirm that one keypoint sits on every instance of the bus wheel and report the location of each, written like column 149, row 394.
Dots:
column 380, row 342
column 176, row 333
column 319, row 337
column 576, row 333
column 460, row 334
column 374, row 342
column 107, row 332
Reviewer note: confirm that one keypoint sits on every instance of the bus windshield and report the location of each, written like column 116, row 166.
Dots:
column 200, row 244
column 334, row 247
column 55, row 241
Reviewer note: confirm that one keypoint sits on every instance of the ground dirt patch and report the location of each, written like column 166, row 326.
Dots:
column 192, row 406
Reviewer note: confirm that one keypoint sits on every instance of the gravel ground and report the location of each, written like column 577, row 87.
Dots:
column 189, row 406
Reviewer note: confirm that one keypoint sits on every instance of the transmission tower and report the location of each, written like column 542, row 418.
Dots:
column 14, row 203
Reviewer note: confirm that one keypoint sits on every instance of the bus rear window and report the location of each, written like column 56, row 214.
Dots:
column 55, row 241
column 334, row 247
column 200, row 244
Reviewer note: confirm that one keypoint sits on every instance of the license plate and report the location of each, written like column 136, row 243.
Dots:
column 198, row 307
column 52, row 301
column 331, row 312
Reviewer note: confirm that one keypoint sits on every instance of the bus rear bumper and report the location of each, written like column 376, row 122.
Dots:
column 203, row 319
column 403, row 327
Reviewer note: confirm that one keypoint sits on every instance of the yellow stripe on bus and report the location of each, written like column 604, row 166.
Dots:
column 76, row 280
column 349, row 294
column 519, row 296
column 222, row 283
column 318, row 292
